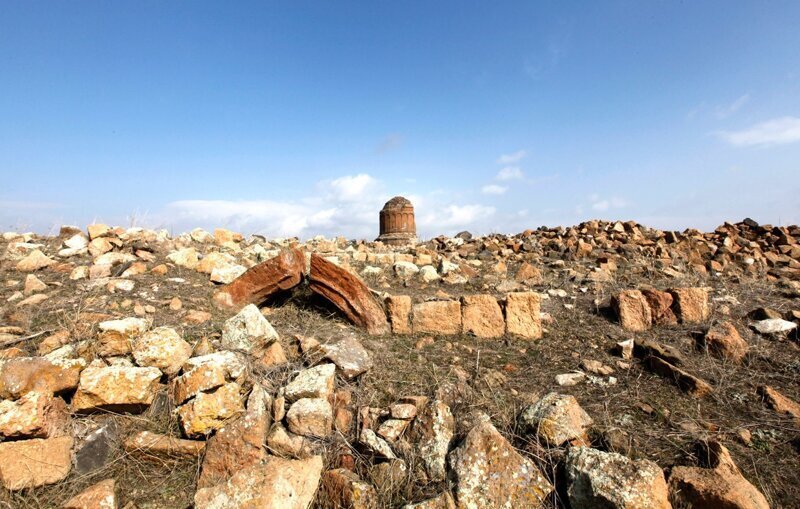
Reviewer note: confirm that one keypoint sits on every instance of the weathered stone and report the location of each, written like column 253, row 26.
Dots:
column 437, row 317
column 310, row 417
column 186, row 257
column 34, row 415
column 215, row 260
column 351, row 296
column 721, row 485
column 204, row 377
column 428, row 274
column 660, row 306
column 399, row 309
column 161, row 348
column 490, row 473
column 723, row 340
column 275, row 484
column 36, row 462
column 239, row 444
column 148, row 444
column 316, row 382
column 247, row 330
column 405, row 269
column 645, row 348
column 287, row 444
column 33, row 284
column 690, row 304
column 632, row 310
column 391, row 429
column 96, row 496
column 117, row 388
column 557, row 418
column 95, row 451
column 343, row 488
column 24, row 374
column 233, row 363
column 780, row 403
column 774, row 326
column 349, row 355
column 209, row 411
column 34, row 261
column 687, row 382
column 481, row 315
column 522, row 315
column 282, row 272
column 116, row 336
column 272, row 355
column 432, row 432
column 98, row 230
column 610, row 480
column 442, row 501
column 375, row 444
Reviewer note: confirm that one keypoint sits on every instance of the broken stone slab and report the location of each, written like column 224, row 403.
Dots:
column 95, row 451
column 690, row 304
column 35, row 462
column 204, row 377
column 239, row 444
column 523, row 315
column 349, row 294
column 310, row 417
column 257, row 284
column 34, row 415
column 281, row 442
column 436, row 317
column 481, row 315
column 316, row 382
column 489, row 472
column 375, row 444
column 25, row 374
column 36, row 260
column 721, row 485
column 644, row 348
column 349, row 355
column 209, row 411
column 247, row 330
column 162, row 348
column 633, row 310
column 557, row 418
column 660, row 306
column 277, row 483
column 398, row 307
column 432, row 432
column 147, row 444
column 233, row 363
column 689, row 383
column 116, row 388
column 773, row 326
column 101, row 495
column 724, row 341
column 780, row 403
column 612, row 481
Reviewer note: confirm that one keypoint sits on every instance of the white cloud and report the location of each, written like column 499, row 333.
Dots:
column 494, row 189
column 602, row 205
column 512, row 158
column 352, row 188
column 463, row 215
column 509, row 173
column 728, row 110
column 778, row 131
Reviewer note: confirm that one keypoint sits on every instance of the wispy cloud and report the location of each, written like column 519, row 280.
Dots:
column 493, row 189
column 512, row 158
column 778, row 131
column 599, row 204
column 391, row 142
column 729, row 109
column 510, row 173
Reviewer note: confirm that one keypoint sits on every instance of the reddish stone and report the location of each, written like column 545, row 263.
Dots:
column 282, row 272
column 660, row 306
column 349, row 294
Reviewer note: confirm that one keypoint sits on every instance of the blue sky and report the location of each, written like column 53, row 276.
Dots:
column 302, row 118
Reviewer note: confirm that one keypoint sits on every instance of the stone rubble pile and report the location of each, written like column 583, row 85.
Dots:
column 268, row 431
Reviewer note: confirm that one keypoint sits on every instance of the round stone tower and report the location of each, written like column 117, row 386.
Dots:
column 397, row 222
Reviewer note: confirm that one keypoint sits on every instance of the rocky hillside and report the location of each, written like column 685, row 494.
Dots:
column 603, row 365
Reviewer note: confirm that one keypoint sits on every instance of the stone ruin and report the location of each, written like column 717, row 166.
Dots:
column 397, row 226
